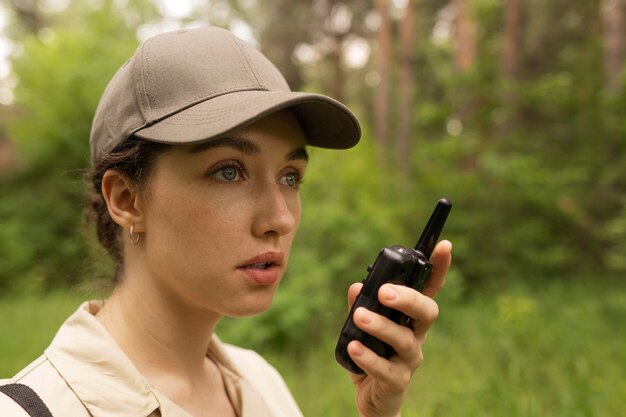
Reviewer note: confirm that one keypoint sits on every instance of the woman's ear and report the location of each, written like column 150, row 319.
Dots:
column 123, row 200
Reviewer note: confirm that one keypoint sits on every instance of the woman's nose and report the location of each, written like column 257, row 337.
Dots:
column 277, row 213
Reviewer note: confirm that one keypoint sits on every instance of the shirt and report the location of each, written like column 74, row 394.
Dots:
column 84, row 373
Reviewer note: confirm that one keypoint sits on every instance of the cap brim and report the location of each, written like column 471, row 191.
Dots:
column 325, row 122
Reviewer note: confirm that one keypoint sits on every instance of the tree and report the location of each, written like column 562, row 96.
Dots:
column 278, row 40
column 383, row 59
column 613, row 14
column 510, row 54
column 28, row 13
column 406, row 92
column 465, row 36
column 60, row 81
column 336, row 22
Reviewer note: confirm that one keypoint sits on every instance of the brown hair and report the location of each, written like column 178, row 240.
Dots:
column 134, row 158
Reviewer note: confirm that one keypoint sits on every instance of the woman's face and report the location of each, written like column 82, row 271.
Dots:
column 220, row 217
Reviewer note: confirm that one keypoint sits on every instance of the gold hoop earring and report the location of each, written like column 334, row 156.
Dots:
column 134, row 239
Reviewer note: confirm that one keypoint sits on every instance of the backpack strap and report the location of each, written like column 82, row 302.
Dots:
column 27, row 399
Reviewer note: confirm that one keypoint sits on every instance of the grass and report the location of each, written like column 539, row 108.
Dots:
column 554, row 351
column 28, row 324
column 558, row 350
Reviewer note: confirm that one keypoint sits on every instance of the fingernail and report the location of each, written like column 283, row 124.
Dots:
column 358, row 349
column 446, row 242
column 389, row 293
column 364, row 315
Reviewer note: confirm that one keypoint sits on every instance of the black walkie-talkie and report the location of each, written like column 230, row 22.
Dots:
column 397, row 265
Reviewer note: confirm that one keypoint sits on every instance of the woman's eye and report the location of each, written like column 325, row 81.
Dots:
column 228, row 173
column 292, row 179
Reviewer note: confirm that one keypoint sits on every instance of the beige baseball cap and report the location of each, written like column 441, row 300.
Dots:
column 193, row 85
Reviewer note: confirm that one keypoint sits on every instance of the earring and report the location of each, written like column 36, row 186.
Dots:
column 134, row 239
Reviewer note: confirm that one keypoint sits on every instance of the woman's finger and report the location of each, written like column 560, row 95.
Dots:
column 353, row 292
column 395, row 376
column 440, row 259
column 421, row 309
column 400, row 338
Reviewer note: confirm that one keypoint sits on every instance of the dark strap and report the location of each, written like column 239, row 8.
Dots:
column 27, row 399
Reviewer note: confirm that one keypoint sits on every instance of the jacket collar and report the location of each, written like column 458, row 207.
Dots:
column 97, row 370
column 108, row 383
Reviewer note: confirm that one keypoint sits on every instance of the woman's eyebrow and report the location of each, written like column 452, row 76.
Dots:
column 245, row 146
column 241, row 144
column 299, row 153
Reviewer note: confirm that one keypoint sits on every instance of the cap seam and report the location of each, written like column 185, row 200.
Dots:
column 145, row 56
column 195, row 121
column 201, row 99
column 108, row 136
column 250, row 67
column 227, row 109
column 204, row 120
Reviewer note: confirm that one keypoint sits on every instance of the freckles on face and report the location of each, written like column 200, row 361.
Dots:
column 214, row 207
column 189, row 220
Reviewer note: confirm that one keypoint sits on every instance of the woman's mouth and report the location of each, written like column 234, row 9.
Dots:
column 264, row 269
column 264, row 265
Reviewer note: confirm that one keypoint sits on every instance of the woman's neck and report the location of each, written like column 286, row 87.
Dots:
column 160, row 334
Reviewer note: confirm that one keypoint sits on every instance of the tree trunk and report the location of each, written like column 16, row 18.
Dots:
column 278, row 41
column 28, row 13
column 510, row 49
column 465, row 55
column 383, row 64
column 613, row 14
column 336, row 59
column 510, row 55
column 335, row 26
column 406, row 92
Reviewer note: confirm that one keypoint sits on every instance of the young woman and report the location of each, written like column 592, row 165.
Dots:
column 198, row 150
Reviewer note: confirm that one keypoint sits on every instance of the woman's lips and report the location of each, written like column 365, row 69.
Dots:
column 264, row 269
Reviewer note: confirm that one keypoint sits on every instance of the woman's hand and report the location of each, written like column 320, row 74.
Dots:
column 381, row 392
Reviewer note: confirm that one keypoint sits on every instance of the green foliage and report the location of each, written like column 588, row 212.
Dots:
column 60, row 82
column 29, row 322
column 528, row 353
column 536, row 176
column 615, row 231
column 39, row 225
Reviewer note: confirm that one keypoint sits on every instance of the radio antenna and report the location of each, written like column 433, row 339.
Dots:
column 430, row 235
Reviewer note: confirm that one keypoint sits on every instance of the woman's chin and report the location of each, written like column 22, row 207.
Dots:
column 243, row 309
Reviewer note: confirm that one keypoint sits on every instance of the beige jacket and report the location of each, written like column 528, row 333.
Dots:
column 84, row 373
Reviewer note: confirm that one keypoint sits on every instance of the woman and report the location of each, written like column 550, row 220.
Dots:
column 198, row 150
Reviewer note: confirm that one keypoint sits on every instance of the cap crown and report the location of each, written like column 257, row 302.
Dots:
column 172, row 72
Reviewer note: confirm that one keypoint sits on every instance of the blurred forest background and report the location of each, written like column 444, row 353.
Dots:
column 512, row 109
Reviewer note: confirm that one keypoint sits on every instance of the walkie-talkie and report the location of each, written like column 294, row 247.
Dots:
column 397, row 265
